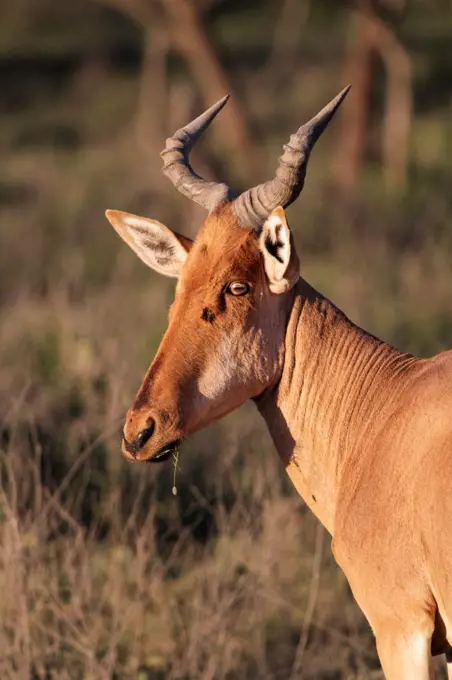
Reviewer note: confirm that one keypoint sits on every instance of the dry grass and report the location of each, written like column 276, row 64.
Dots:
column 92, row 602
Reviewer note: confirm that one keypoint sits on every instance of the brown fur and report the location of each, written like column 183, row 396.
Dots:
column 364, row 431
column 223, row 252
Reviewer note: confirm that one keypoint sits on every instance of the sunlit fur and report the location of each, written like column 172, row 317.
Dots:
column 364, row 431
column 208, row 365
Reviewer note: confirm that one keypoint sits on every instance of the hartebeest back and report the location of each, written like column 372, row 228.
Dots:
column 364, row 431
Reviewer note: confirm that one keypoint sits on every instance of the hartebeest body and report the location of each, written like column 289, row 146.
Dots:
column 364, row 431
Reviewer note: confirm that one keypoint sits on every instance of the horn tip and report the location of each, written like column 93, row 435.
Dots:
column 214, row 110
column 221, row 102
column 342, row 94
column 346, row 90
column 332, row 107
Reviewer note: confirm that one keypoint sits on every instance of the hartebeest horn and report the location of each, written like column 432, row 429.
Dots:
column 253, row 206
column 177, row 168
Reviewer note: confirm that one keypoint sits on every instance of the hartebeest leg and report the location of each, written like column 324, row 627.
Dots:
column 405, row 658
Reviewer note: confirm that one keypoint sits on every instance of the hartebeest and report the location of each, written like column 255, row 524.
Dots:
column 364, row 431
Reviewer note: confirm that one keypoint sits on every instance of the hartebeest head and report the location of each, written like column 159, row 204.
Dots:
column 225, row 339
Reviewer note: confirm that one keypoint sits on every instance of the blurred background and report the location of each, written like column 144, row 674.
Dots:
column 104, row 574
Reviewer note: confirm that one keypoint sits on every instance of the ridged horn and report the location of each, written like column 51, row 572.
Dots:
column 177, row 168
column 253, row 206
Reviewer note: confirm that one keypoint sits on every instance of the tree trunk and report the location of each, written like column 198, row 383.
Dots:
column 190, row 39
column 372, row 36
column 349, row 155
column 153, row 94
column 398, row 107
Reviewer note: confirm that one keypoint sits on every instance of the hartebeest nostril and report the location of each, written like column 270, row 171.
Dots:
column 144, row 436
column 140, row 440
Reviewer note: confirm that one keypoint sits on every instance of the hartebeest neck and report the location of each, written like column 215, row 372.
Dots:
column 337, row 387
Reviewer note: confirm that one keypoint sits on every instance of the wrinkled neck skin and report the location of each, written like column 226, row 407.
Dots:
column 338, row 387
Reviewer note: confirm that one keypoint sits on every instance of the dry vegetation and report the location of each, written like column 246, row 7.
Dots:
column 104, row 574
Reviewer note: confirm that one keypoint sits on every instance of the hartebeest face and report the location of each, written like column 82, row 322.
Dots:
column 225, row 338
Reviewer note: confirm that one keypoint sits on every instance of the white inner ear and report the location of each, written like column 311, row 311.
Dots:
column 277, row 244
column 154, row 243
column 276, row 248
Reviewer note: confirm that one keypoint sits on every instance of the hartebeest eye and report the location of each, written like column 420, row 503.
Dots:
column 238, row 288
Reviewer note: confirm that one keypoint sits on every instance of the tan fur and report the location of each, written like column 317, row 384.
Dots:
column 365, row 432
column 366, row 436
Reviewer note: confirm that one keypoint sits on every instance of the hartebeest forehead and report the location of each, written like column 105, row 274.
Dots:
column 222, row 252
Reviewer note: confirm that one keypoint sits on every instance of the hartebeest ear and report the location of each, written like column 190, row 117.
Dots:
column 280, row 257
column 158, row 247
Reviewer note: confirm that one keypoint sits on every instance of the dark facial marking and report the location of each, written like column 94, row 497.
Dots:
column 222, row 303
column 207, row 315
